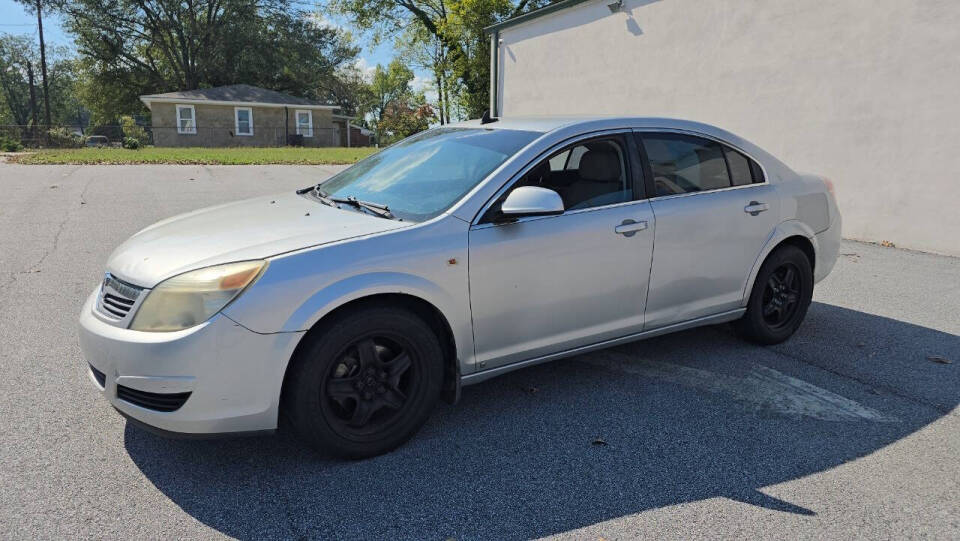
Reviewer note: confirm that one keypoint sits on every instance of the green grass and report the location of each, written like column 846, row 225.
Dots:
column 196, row 156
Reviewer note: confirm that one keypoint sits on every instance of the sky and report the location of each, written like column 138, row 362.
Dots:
column 15, row 20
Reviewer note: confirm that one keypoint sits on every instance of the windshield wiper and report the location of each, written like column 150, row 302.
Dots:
column 375, row 208
column 318, row 194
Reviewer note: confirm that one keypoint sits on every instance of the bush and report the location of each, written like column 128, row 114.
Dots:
column 10, row 145
column 64, row 138
column 131, row 130
column 131, row 143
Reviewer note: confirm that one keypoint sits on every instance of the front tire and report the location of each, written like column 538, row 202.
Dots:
column 365, row 383
column 780, row 297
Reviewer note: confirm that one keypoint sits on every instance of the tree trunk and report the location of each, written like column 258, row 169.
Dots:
column 446, row 100
column 33, row 100
column 43, row 68
column 440, row 99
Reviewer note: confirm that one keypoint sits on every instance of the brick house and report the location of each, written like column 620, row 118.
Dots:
column 242, row 115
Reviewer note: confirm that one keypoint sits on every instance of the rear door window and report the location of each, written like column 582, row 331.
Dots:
column 685, row 163
column 740, row 171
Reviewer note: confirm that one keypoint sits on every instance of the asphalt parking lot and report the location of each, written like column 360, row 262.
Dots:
column 848, row 430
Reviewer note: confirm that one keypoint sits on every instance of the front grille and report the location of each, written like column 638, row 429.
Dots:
column 117, row 306
column 99, row 376
column 152, row 401
column 117, row 298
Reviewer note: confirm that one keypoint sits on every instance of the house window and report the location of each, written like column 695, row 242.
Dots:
column 186, row 119
column 305, row 123
column 244, row 120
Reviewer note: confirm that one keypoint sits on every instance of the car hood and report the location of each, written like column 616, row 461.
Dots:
column 250, row 229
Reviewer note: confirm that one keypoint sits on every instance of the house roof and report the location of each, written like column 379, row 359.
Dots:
column 235, row 95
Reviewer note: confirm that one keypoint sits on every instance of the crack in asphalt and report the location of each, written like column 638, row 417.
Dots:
column 60, row 228
column 35, row 267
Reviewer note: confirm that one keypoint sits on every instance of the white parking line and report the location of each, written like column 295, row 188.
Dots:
column 761, row 387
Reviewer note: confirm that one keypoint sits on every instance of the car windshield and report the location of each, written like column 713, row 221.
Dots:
column 426, row 174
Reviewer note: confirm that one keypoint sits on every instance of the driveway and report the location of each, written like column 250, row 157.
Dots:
column 848, row 430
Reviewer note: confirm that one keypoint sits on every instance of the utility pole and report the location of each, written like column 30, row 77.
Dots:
column 43, row 69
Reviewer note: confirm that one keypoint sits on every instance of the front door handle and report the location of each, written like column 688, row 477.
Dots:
column 629, row 227
column 755, row 207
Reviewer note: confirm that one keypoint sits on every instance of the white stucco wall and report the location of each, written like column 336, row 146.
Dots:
column 866, row 92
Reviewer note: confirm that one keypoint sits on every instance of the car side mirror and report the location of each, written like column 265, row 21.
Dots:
column 530, row 201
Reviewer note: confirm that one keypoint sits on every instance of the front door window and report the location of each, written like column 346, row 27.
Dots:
column 589, row 174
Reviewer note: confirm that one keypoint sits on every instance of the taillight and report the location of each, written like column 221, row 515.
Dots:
column 829, row 184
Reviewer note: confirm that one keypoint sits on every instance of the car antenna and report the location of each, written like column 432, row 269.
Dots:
column 486, row 118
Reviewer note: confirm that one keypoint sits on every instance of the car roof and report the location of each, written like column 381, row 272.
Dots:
column 548, row 123
column 570, row 124
column 526, row 123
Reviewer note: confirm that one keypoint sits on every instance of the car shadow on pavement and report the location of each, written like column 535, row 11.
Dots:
column 675, row 419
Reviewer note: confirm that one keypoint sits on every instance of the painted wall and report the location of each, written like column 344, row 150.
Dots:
column 216, row 127
column 866, row 92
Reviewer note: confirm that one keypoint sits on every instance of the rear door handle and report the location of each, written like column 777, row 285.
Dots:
column 629, row 227
column 755, row 207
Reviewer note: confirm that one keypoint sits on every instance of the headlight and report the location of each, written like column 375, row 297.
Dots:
column 193, row 297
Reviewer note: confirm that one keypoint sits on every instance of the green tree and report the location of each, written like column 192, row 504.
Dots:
column 347, row 88
column 135, row 47
column 402, row 119
column 16, row 70
column 20, row 100
column 38, row 7
column 66, row 108
column 424, row 51
column 395, row 110
column 457, row 26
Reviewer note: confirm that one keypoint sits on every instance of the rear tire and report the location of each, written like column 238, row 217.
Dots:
column 365, row 383
column 780, row 297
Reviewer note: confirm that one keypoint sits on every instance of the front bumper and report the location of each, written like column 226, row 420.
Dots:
column 233, row 375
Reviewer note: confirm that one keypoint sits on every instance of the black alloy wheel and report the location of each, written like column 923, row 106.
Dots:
column 364, row 382
column 368, row 385
column 780, row 297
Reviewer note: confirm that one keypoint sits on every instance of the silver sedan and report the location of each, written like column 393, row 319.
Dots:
column 345, row 310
